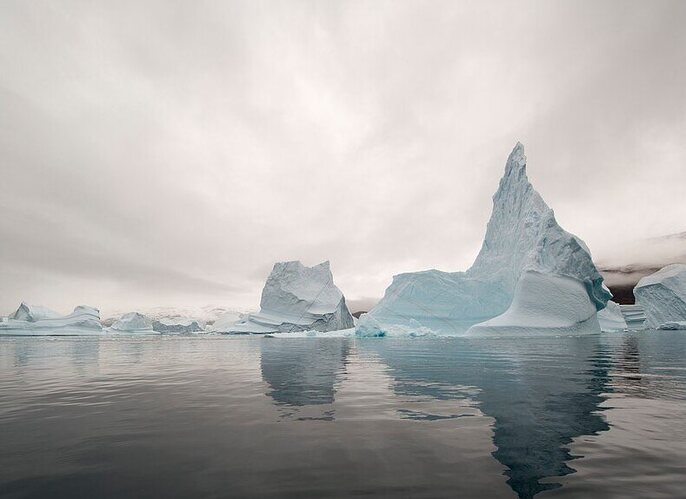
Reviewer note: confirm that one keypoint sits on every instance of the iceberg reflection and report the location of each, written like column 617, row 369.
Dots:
column 541, row 393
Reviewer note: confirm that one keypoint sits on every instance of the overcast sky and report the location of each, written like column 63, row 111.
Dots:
column 168, row 153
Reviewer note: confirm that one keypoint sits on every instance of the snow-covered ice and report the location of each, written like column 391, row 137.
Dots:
column 663, row 295
column 133, row 322
column 30, row 320
column 611, row 318
column 298, row 298
column 528, row 270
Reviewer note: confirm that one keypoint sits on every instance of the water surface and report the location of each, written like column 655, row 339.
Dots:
column 599, row 416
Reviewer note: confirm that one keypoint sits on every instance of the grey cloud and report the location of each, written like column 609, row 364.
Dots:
column 185, row 147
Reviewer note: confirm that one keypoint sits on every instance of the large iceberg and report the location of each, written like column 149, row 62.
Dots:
column 133, row 322
column 531, row 276
column 30, row 320
column 663, row 295
column 297, row 298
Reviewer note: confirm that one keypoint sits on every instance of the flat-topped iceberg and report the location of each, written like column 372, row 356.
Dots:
column 663, row 295
column 30, row 320
column 531, row 276
column 133, row 322
column 178, row 325
column 297, row 298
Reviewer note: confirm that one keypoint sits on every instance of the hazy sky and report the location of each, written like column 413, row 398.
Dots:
column 167, row 153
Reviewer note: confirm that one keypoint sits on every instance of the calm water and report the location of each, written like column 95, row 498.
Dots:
column 168, row 417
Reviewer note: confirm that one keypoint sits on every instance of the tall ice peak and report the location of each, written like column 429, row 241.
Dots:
column 525, row 254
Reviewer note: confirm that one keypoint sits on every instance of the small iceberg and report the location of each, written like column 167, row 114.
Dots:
column 133, row 322
column 178, row 325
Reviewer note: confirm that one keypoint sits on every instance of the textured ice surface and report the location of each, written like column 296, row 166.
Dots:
column 522, row 237
column 634, row 315
column 31, row 320
column 663, row 295
column 133, row 322
column 298, row 298
column 178, row 325
column 611, row 318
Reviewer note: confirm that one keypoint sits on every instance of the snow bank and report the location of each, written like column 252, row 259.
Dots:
column 663, row 295
column 297, row 298
column 611, row 318
column 31, row 320
column 523, row 242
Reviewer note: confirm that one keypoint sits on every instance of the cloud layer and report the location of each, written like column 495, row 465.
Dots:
column 164, row 153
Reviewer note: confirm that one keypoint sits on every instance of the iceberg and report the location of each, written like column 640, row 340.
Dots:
column 133, row 322
column 178, row 325
column 634, row 315
column 663, row 295
column 526, row 277
column 297, row 298
column 611, row 318
column 30, row 320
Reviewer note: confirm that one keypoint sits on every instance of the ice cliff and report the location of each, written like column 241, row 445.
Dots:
column 663, row 296
column 530, row 275
column 31, row 320
column 297, row 298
